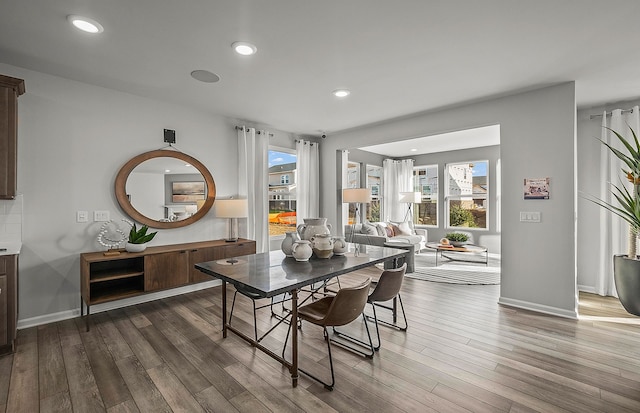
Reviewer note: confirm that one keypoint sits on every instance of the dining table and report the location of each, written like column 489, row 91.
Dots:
column 270, row 274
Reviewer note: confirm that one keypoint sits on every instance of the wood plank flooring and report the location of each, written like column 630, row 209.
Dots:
column 462, row 353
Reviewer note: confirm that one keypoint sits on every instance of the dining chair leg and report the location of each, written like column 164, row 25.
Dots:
column 392, row 325
column 368, row 345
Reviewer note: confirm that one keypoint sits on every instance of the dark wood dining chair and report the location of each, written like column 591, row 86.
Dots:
column 333, row 311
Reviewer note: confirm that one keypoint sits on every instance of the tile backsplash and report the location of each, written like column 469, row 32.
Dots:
column 11, row 213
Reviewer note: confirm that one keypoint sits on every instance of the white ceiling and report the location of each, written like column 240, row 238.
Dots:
column 452, row 141
column 397, row 57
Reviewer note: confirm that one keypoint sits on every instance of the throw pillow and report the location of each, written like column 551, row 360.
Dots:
column 388, row 231
column 404, row 229
column 369, row 229
column 381, row 228
column 395, row 229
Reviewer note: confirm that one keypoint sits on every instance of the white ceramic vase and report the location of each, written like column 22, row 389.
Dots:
column 339, row 246
column 301, row 250
column 287, row 243
column 322, row 245
column 313, row 226
column 135, row 247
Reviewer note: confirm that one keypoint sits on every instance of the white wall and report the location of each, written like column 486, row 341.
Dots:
column 537, row 139
column 72, row 140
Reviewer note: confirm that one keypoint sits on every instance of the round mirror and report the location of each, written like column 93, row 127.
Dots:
column 165, row 189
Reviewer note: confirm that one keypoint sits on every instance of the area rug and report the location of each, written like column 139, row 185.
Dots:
column 456, row 272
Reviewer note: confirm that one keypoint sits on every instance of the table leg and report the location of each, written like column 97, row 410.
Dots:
column 294, row 338
column 224, row 309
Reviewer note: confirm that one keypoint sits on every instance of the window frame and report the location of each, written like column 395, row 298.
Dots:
column 460, row 197
column 431, row 197
column 277, row 194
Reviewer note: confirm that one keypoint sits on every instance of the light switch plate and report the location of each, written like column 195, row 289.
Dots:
column 533, row 216
column 101, row 216
column 82, row 216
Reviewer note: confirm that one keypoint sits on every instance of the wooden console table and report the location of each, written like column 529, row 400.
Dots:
column 108, row 278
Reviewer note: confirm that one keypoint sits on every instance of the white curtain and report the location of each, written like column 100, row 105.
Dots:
column 344, row 165
column 308, row 181
column 613, row 230
column 397, row 177
column 253, row 183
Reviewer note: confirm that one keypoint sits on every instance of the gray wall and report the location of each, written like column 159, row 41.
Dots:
column 72, row 140
column 537, row 139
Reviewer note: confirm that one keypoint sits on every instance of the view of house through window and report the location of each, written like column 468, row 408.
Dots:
column 466, row 194
column 282, row 191
column 374, row 182
column 425, row 181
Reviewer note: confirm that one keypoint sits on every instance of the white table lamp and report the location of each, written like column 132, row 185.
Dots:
column 232, row 209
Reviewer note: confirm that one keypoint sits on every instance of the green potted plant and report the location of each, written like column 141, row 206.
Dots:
column 626, row 268
column 457, row 239
column 138, row 238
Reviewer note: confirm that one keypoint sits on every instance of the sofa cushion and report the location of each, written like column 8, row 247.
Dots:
column 409, row 239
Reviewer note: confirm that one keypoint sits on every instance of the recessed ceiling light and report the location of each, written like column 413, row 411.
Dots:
column 205, row 76
column 167, row 170
column 85, row 24
column 413, row 150
column 341, row 93
column 244, row 48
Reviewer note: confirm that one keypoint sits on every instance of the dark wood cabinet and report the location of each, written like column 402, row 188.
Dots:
column 8, row 302
column 105, row 278
column 10, row 89
column 166, row 270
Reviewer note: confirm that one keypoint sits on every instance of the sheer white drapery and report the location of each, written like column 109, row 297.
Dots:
column 344, row 208
column 253, row 183
column 308, row 181
column 397, row 177
column 614, row 231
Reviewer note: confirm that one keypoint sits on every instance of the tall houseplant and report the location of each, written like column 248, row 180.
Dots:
column 627, row 268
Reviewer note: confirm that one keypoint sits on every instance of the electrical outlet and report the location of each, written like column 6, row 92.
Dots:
column 101, row 216
column 82, row 216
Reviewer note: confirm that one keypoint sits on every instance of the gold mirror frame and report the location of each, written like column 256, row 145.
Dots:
column 125, row 204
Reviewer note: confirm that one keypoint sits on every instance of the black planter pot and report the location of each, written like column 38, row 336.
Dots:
column 626, row 273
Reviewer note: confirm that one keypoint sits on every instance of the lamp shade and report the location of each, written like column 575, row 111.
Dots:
column 191, row 209
column 356, row 195
column 410, row 197
column 231, row 208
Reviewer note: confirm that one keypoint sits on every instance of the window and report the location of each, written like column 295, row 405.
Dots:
column 466, row 194
column 282, row 191
column 425, row 181
column 374, row 182
column 353, row 181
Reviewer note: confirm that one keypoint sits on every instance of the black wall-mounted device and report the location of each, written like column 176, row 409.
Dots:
column 169, row 136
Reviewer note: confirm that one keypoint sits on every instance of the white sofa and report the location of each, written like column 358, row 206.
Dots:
column 379, row 233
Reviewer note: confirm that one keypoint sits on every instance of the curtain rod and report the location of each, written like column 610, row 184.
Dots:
column 304, row 142
column 609, row 113
column 242, row 128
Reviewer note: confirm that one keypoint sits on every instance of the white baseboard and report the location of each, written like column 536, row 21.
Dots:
column 587, row 289
column 125, row 302
column 560, row 312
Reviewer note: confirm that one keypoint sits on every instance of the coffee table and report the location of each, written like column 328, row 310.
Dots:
column 475, row 253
